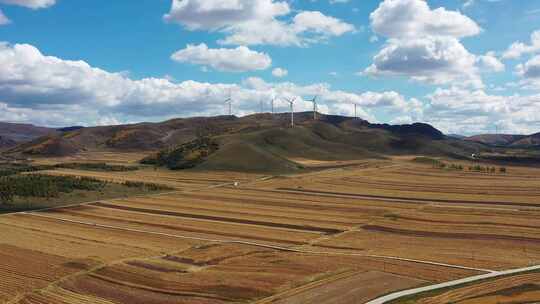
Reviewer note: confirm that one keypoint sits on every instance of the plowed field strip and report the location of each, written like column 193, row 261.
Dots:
column 61, row 296
column 280, row 248
column 342, row 203
column 437, row 173
column 221, row 219
column 405, row 199
column 491, row 190
column 159, row 290
column 309, row 286
column 178, row 228
column 483, row 223
column 469, row 236
column 229, row 209
column 274, row 201
column 463, row 185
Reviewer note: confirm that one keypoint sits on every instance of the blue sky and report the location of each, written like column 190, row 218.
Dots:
column 464, row 66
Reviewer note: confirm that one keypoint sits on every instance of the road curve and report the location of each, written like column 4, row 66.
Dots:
column 409, row 292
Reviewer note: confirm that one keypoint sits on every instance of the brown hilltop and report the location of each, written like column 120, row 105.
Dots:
column 528, row 141
column 495, row 139
column 17, row 132
column 259, row 142
column 507, row 140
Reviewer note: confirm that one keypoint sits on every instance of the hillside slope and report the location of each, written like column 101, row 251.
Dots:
column 15, row 132
column 496, row 139
column 6, row 143
column 262, row 143
column 528, row 141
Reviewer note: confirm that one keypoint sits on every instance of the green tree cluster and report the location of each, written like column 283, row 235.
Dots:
column 46, row 186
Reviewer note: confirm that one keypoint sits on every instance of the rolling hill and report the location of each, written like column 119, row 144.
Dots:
column 528, row 141
column 6, row 143
column 496, row 139
column 259, row 142
column 12, row 134
column 507, row 140
column 22, row 132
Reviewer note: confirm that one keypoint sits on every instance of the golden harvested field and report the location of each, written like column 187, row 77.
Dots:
column 124, row 158
column 343, row 235
column 177, row 180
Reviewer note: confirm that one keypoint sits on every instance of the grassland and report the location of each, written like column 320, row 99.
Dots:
column 341, row 235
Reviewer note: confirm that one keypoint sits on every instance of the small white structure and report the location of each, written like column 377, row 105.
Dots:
column 291, row 103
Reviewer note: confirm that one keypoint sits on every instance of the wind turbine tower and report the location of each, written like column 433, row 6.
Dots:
column 314, row 101
column 291, row 103
column 355, row 116
column 229, row 102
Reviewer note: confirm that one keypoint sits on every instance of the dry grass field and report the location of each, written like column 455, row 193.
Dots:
column 341, row 235
column 173, row 179
column 123, row 158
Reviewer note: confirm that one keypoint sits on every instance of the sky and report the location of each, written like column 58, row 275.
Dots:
column 464, row 66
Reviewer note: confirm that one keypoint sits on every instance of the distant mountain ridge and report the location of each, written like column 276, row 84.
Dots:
column 531, row 140
column 507, row 140
column 261, row 142
column 13, row 133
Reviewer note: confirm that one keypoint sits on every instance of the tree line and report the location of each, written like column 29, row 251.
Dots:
column 45, row 186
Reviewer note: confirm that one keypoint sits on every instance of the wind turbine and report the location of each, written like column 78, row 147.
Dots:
column 355, row 116
column 314, row 101
column 291, row 103
column 229, row 102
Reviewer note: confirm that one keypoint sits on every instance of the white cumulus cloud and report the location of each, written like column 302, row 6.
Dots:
column 423, row 44
column 517, row 49
column 33, row 4
column 530, row 69
column 530, row 73
column 215, row 15
column 252, row 22
column 462, row 111
column 240, row 59
column 279, row 72
column 437, row 60
column 317, row 22
column 491, row 62
column 48, row 90
column 414, row 18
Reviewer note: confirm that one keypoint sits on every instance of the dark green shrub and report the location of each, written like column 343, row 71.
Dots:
column 146, row 186
column 6, row 193
column 185, row 156
column 96, row 167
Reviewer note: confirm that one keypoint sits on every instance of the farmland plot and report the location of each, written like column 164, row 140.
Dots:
column 343, row 235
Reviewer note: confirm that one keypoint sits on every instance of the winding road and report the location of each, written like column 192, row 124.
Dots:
column 400, row 294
